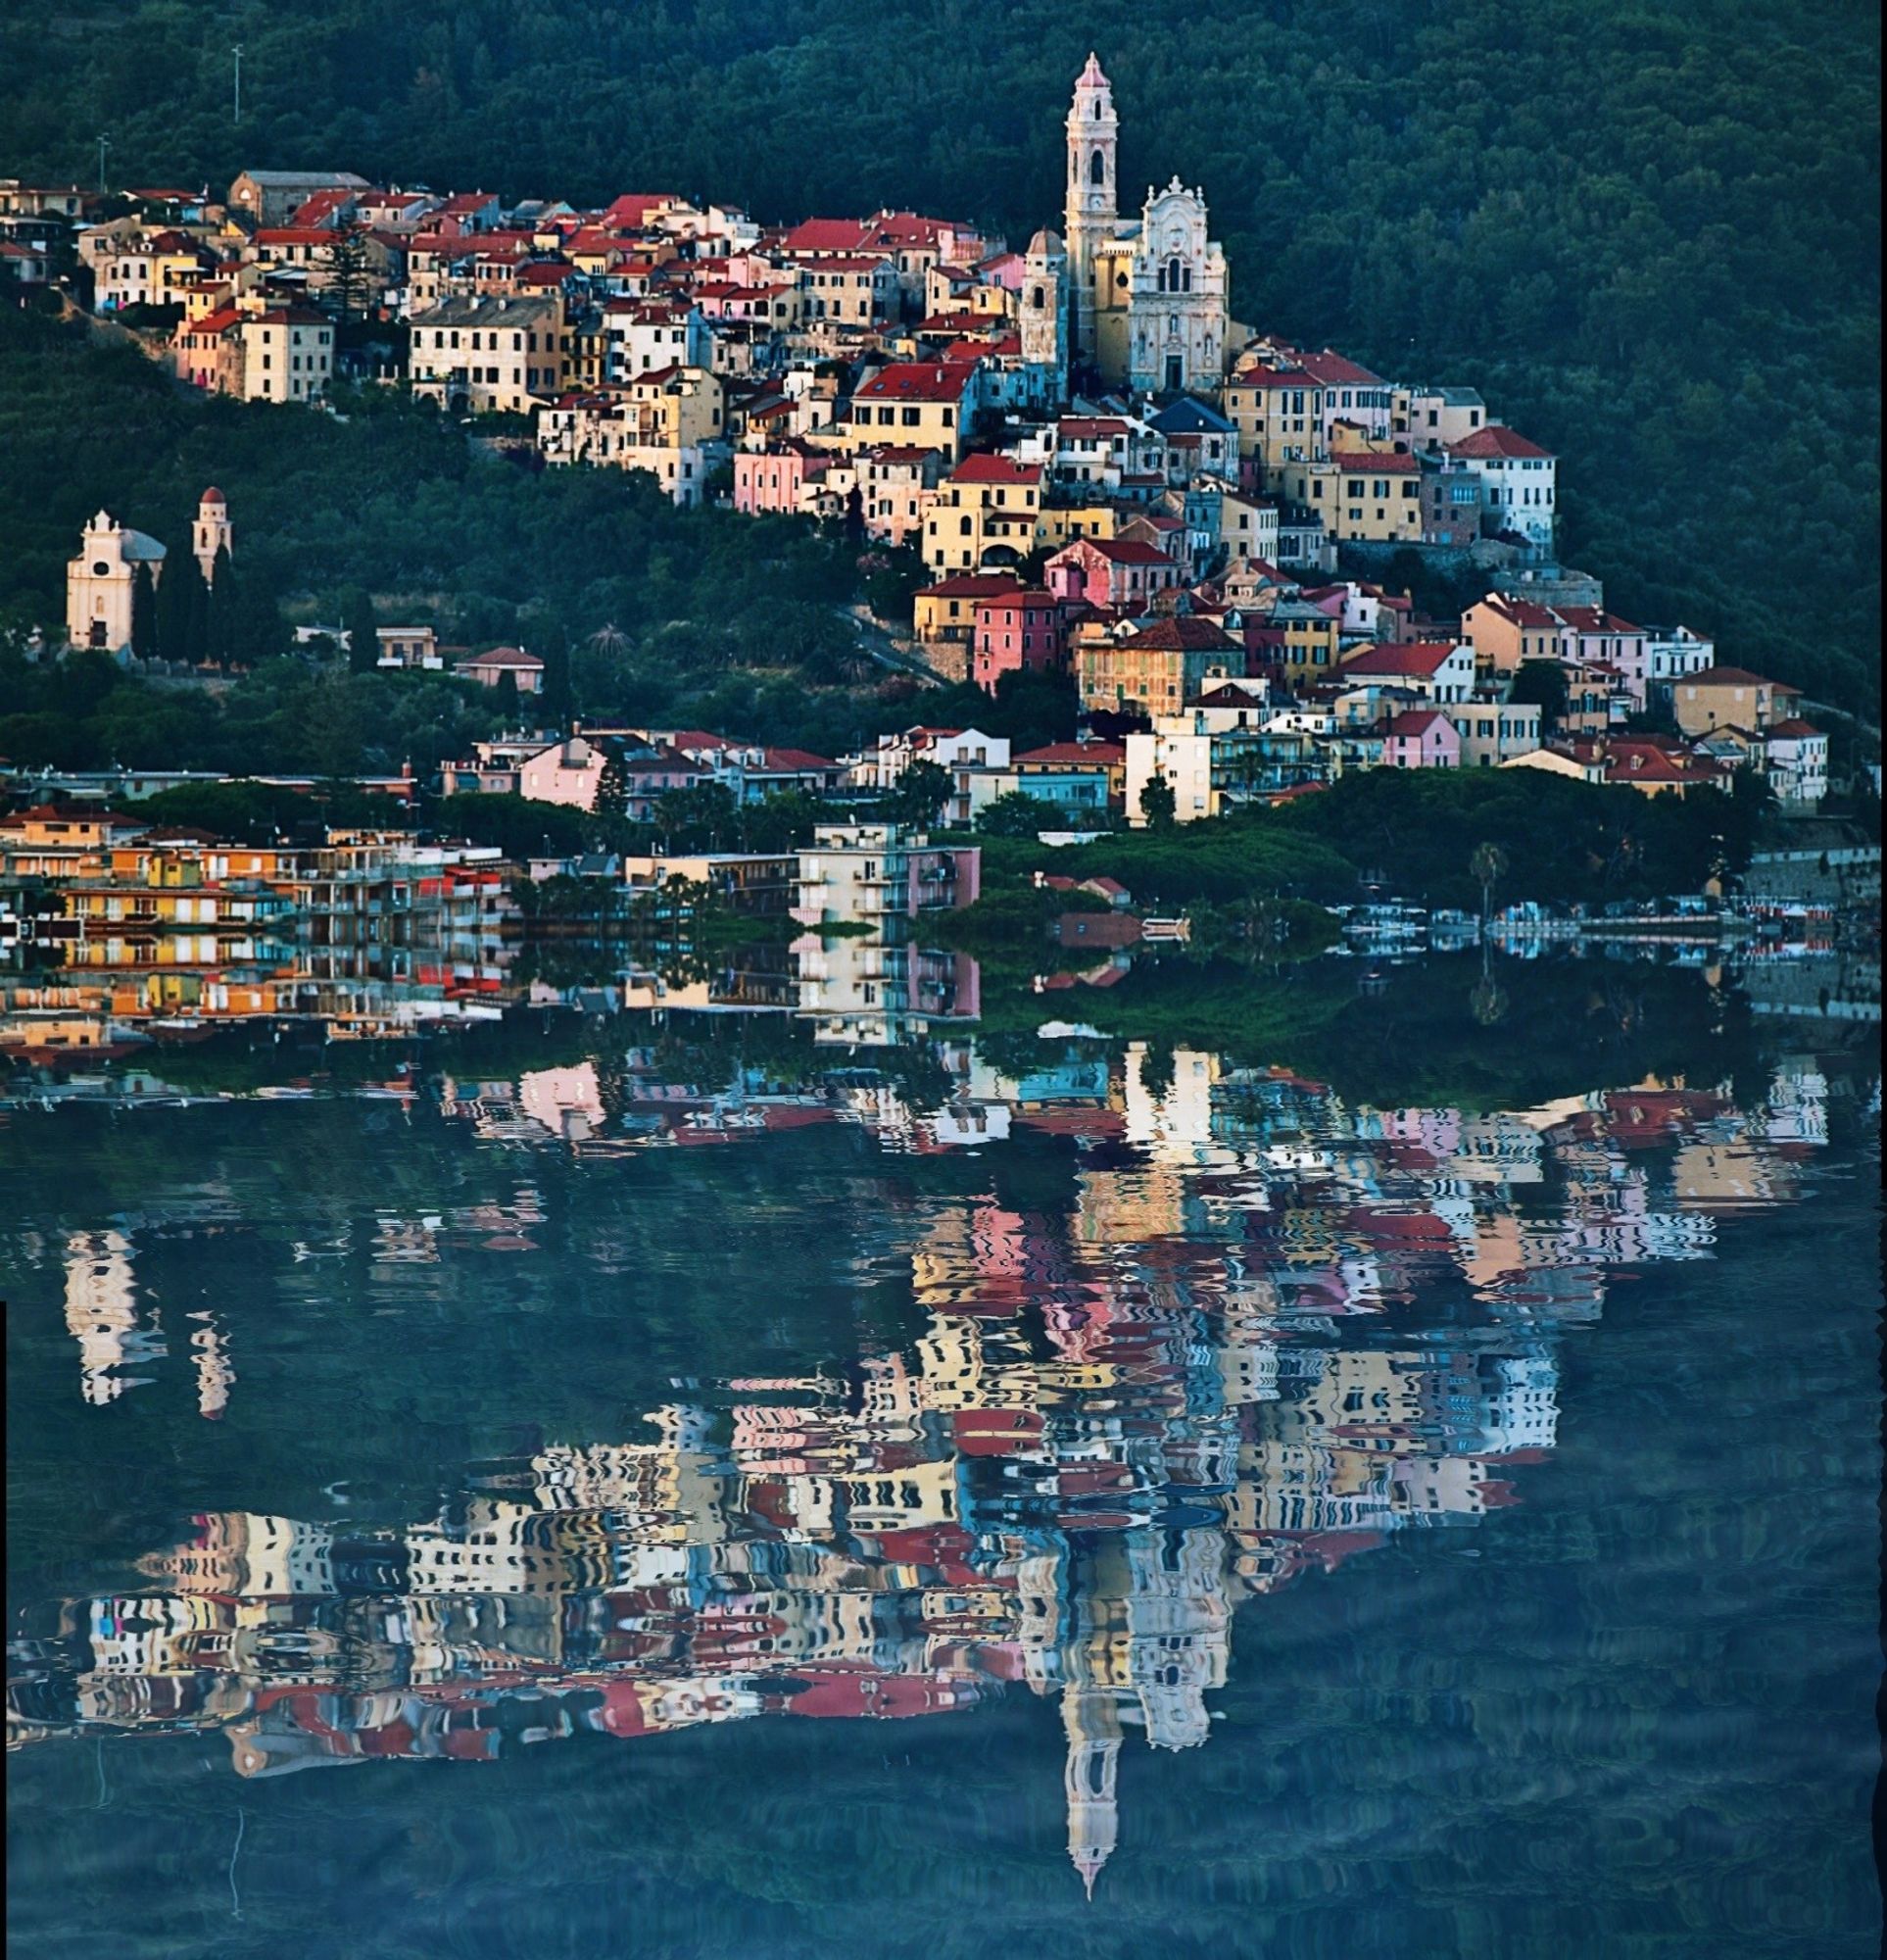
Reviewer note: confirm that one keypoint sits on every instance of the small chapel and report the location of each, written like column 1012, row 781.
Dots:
column 101, row 581
column 1141, row 302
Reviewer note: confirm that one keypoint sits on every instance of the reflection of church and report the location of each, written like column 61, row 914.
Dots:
column 1141, row 302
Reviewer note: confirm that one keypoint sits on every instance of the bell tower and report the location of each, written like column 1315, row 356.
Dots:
column 1045, row 314
column 1093, row 134
column 210, row 534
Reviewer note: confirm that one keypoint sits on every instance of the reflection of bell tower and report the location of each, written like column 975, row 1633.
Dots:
column 211, row 533
column 1091, row 212
column 1091, row 1720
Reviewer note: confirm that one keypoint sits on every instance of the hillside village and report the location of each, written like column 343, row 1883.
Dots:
column 1102, row 474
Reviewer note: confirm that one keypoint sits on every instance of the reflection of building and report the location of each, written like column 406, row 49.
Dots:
column 1127, row 1415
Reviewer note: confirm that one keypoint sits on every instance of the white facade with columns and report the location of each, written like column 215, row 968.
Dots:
column 1146, row 298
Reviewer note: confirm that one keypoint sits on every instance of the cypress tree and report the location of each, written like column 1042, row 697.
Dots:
column 362, row 643
column 144, row 624
column 180, row 607
column 220, row 638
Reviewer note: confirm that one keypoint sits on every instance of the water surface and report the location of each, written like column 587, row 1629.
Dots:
column 1124, row 1496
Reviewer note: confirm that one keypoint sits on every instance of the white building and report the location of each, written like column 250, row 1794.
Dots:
column 1518, row 480
column 101, row 580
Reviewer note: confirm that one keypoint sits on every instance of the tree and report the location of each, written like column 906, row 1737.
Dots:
column 1487, row 868
column 919, row 794
column 362, row 641
column 349, row 274
column 1158, row 803
column 704, row 819
column 144, row 620
column 613, row 786
column 506, row 694
column 258, row 631
column 180, row 610
column 891, row 579
column 1018, row 815
column 1543, row 683
column 219, row 638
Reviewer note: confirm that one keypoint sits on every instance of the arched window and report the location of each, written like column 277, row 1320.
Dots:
column 1160, row 279
column 963, row 527
column 1036, row 300
column 1097, row 169
column 1186, row 279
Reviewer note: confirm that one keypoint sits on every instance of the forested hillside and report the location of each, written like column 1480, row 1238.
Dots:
column 1648, row 234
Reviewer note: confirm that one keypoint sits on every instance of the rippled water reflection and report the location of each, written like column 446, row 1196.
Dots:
column 1319, row 1523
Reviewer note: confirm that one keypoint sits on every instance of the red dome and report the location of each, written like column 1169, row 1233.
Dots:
column 213, row 495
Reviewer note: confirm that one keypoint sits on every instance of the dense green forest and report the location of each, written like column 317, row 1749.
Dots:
column 1648, row 234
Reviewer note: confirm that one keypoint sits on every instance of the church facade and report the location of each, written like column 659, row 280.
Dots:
column 1140, row 302
column 101, row 581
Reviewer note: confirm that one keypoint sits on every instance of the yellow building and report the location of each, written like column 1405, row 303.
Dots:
column 920, row 405
column 944, row 613
column 1363, row 496
column 1277, row 413
column 985, row 515
column 1059, row 524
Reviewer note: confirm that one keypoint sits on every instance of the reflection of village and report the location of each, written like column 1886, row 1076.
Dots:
column 115, row 933
column 116, row 929
column 1272, row 1331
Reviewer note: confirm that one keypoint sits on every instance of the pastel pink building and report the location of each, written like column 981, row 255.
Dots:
column 1113, row 573
column 1016, row 632
column 779, row 478
column 1419, row 738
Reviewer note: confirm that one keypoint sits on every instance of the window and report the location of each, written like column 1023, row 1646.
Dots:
column 1098, row 163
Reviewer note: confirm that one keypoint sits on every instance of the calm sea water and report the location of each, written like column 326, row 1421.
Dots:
column 611, row 1495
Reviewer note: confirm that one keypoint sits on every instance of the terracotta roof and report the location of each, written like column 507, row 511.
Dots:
column 1021, row 595
column 915, row 381
column 1521, row 612
column 1120, row 551
column 1422, row 657
column 1731, row 677
column 1095, row 755
column 1375, row 466
column 1184, row 633
column 1273, row 377
column 995, row 470
column 1333, row 369
column 633, row 208
column 825, row 235
column 972, row 585
column 800, row 759
column 1594, row 619
column 1793, row 730
column 1496, row 440
column 503, row 657
column 1417, row 722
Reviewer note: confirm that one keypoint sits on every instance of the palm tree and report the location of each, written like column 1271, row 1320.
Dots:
column 609, row 638
column 1487, row 868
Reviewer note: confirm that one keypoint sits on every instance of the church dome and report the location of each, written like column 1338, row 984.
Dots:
column 1046, row 244
column 213, row 495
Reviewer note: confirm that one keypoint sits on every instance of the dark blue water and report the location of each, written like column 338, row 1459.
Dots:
column 1117, row 1499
